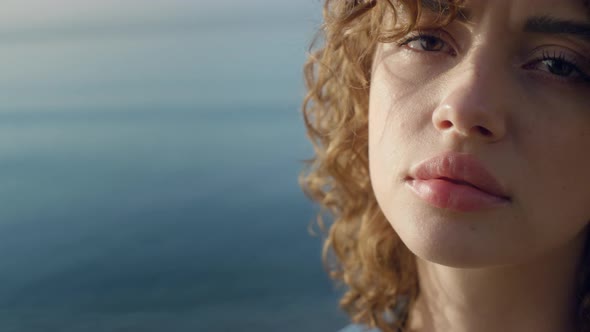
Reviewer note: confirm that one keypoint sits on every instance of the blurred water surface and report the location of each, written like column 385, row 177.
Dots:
column 149, row 158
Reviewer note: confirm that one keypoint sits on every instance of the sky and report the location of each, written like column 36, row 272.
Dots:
column 137, row 54
column 40, row 13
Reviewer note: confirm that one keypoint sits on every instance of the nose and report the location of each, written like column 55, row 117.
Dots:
column 473, row 106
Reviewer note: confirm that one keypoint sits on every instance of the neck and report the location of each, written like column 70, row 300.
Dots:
column 536, row 296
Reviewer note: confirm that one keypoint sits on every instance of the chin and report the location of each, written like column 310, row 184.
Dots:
column 451, row 257
column 443, row 238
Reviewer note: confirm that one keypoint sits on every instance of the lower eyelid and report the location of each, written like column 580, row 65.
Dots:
column 546, row 75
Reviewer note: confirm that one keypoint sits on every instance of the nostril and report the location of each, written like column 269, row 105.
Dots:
column 483, row 131
column 446, row 124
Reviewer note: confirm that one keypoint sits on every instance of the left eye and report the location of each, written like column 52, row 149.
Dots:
column 561, row 66
column 557, row 67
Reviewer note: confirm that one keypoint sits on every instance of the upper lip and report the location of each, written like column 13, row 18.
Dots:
column 459, row 168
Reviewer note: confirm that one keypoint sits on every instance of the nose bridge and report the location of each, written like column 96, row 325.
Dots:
column 475, row 81
column 472, row 103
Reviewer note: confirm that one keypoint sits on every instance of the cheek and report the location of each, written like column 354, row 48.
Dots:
column 400, row 118
column 380, row 155
column 396, row 126
column 556, row 166
column 383, row 145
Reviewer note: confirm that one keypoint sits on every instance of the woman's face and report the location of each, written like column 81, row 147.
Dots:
column 479, row 132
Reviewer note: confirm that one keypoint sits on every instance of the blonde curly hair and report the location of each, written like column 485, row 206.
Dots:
column 361, row 249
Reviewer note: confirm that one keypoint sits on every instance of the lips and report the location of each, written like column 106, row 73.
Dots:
column 458, row 182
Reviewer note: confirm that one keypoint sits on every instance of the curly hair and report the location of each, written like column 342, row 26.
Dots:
column 361, row 250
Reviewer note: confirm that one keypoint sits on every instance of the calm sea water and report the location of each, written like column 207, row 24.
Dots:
column 149, row 181
column 158, row 221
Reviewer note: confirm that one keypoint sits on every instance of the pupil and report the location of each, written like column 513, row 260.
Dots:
column 431, row 44
column 558, row 67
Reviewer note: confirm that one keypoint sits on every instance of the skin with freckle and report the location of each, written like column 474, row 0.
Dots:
column 451, row 150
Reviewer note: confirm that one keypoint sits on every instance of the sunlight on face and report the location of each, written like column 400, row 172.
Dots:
column 479, row 132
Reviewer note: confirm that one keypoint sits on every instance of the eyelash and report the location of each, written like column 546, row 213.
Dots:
column 563, row 58
column 559, row 57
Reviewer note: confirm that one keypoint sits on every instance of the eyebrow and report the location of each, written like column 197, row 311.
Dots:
column 537, row 24
column 552, row 25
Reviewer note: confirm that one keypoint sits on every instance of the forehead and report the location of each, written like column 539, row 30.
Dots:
column 571, row 9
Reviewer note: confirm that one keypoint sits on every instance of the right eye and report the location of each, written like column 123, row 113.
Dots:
column 423, row 42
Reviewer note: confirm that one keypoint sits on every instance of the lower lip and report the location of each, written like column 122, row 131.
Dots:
column 452, row 196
